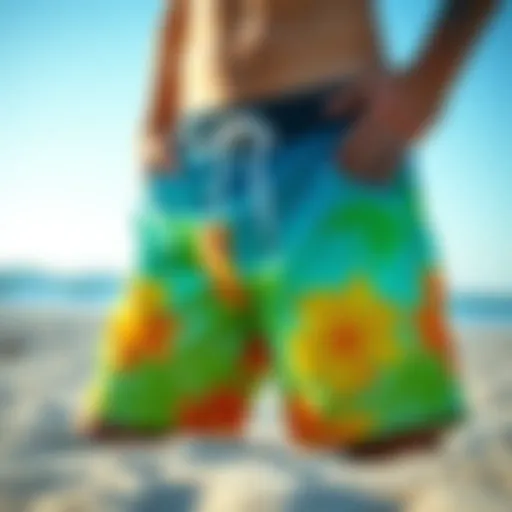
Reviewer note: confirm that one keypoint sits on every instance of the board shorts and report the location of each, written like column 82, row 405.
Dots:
column 260, row 256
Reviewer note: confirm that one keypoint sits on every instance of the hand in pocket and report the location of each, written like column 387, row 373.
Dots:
column 391, row 112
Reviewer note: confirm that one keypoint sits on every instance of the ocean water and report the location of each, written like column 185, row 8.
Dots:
column 30, row 289
column 481, row 308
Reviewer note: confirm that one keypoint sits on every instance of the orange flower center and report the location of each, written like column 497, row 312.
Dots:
column 345, row 339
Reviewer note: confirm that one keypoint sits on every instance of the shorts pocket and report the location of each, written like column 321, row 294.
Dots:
column 396, row 177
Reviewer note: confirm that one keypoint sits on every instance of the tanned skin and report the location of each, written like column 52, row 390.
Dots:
column 215, row 52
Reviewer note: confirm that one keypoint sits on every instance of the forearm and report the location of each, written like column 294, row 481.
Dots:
column 162, row 107
column 459, row 26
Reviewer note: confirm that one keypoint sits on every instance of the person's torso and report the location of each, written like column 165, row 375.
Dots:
column 245, row 49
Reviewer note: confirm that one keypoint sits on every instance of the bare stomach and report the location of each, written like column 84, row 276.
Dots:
column 222, row 66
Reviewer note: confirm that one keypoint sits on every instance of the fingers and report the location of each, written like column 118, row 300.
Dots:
column 370, row 152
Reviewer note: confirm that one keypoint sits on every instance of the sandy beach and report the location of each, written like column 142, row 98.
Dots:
column 45, row 360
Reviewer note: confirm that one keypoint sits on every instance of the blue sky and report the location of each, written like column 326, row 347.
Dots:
column 72, row 86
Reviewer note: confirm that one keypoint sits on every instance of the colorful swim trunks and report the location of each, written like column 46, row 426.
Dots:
column 260, row 256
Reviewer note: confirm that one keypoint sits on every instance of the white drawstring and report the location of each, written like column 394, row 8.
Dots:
column 238, row 126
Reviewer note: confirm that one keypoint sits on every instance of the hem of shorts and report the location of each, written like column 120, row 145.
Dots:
column 103, row 429
column 439, row 423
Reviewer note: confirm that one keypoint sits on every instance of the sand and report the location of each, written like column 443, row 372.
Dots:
column 45, row 360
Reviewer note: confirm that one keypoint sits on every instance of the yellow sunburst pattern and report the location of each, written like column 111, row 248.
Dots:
column 141, row 328
column 344, row 337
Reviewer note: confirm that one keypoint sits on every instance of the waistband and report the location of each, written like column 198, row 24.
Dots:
column 228, row 156
column 289, row 115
